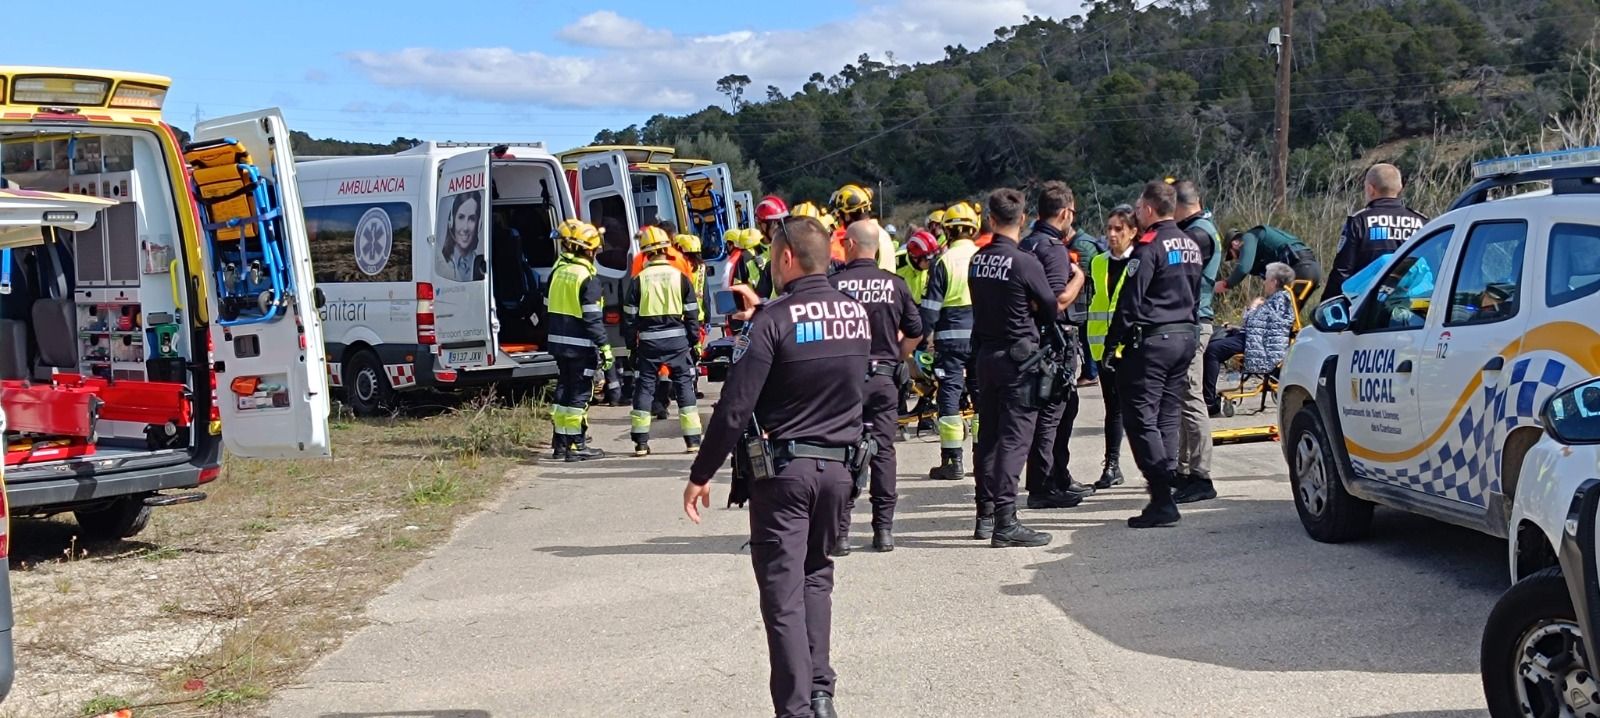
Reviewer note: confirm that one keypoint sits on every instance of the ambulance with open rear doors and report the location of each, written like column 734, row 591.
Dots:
column 129, row 343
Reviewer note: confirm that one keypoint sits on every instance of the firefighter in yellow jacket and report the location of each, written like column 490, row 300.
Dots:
column 661, row 315
column 577, row 339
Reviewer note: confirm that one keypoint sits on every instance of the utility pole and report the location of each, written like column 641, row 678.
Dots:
column 1280, row 152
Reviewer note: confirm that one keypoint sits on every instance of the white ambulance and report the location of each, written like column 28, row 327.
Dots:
column 433, row 263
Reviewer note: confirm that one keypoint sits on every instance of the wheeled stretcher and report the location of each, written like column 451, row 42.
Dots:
column 244, row 232
column 707, row 208
column 48, row 422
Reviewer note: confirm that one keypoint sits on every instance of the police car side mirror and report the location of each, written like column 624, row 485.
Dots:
column 1572, row 415
column 1332, row 316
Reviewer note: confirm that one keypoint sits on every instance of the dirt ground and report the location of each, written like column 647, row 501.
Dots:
column 219, row 603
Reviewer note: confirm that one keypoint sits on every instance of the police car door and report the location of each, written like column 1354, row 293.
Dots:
column 272, row 377
column 1378, row 370
column 1467, row 360
column 460, row 250
column 605, row 200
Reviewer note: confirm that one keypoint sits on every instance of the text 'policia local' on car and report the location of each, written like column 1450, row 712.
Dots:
column 1459, row 385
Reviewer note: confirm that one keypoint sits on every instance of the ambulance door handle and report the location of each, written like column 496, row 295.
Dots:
column 1404, row 368
column 1495, row 364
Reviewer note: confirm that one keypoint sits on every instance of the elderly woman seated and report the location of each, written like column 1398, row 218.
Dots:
column 1265, row 339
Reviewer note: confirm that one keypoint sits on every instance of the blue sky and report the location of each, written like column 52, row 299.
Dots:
column 492, row 71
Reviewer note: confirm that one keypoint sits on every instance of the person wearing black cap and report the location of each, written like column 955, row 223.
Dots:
column 798, row 371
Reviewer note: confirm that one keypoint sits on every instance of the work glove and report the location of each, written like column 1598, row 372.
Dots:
column 695, row 352
column 606, row 360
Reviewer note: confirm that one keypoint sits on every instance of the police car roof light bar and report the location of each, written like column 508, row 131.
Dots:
column 1568, row 172
column 1520, row 164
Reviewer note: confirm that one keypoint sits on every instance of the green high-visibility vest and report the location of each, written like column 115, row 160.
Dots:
column 565, row 282
column 916, row 281
column 1101, row 305
column 956, row 260
column 660, row 290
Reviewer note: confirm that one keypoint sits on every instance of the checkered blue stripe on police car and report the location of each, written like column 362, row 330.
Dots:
column 1461, row 466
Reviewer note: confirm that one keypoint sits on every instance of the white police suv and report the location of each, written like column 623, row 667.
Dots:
column 1421, row 390
column 1538, row 643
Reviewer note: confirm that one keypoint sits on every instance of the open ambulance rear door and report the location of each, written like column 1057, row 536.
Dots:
column 460, row 252
column 714, row 247
column 605, row 200
column 272, row 376
column 744, row 209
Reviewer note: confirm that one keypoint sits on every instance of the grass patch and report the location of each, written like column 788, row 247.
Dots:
column 275, row 568
column 100, row 705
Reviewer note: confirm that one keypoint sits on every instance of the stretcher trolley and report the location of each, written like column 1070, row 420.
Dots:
column 243, row 223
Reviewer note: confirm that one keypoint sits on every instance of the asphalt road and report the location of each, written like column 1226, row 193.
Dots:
column 585, row 591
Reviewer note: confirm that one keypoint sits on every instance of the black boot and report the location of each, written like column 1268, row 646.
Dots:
column 641, row 444
column 1110, row 476
column 1052, row 499
column 949, row 468
column 1197, row 488
column 1009, row 532
column 1161, row 511
column 883, row 540
column 983, row 529
column 822, row 705
column 581, row 451
column 558, row 446
column 841, row 545
column 1071, row 487
column 691, row 444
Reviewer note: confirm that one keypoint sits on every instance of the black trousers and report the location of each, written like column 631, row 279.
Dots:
column 680, row 369
column 1152, row 380
column 794, row 518
column 575, row 379
column 950, row 367
column 1005, row 429
column 1052, row 444
column 1113, row 401
column 1220, row 349
column 880, row 408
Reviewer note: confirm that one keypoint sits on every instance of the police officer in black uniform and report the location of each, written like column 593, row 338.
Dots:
column 798, row 370
column 1050, row 485
column 1151, row 342
column 896, row 330
column 1011, row 299
column 1378, row 229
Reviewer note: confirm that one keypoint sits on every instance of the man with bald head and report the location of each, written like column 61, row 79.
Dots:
column 1378, row 229
column 896, row 330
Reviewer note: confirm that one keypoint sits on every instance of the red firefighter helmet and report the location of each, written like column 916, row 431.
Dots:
column 771, row 208
column 922, row 245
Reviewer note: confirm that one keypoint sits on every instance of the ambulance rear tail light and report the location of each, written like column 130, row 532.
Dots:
column 425, row 331
column 209, row 474
column 215, row 418
column 1581, row 157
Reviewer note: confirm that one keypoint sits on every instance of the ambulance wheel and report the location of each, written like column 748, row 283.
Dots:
column 366, row 385
column 1227, row 408
column 120, row 519
column 1328, row 512
column 1532, row 660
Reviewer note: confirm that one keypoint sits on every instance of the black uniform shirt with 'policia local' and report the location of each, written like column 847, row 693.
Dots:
column 799, row 367
column 1161, row 284
column 891, row 310
column 1011, row 297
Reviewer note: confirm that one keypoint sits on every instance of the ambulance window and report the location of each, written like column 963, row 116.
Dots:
column 1488, row 284
column 360, row 242
column 1403, row 297
column 610, row 214
column 1574, row 263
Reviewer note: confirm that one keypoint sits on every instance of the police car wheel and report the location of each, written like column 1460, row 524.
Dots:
column 1328, row 513
column 366, row 387
column 1532, row 660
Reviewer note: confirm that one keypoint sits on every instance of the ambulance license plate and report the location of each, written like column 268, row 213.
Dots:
column 457, row 357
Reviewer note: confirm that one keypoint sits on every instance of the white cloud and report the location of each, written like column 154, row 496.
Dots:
column 656, row 70
column 605, row 28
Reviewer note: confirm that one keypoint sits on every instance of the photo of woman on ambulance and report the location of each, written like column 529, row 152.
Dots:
column 460, row 255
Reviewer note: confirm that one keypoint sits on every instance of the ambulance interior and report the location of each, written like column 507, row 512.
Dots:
column 96, row 320
column 525, row 213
